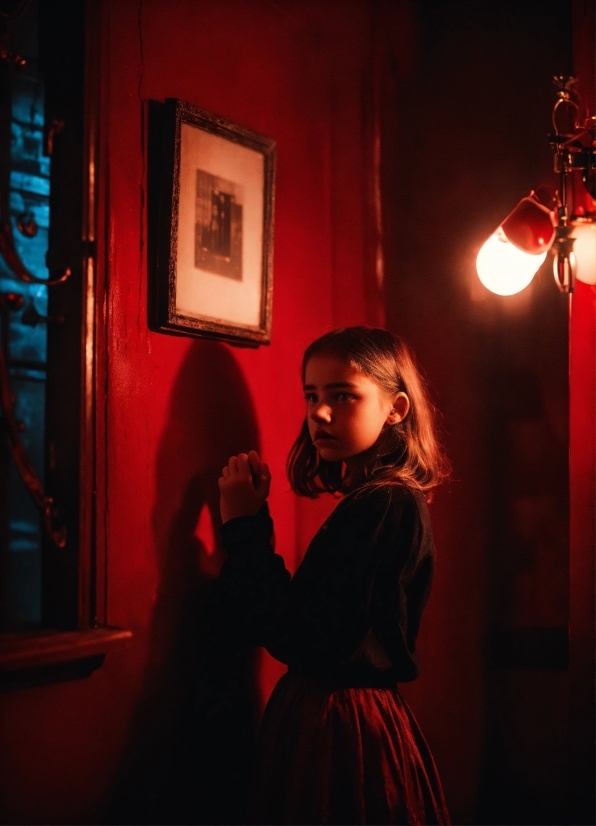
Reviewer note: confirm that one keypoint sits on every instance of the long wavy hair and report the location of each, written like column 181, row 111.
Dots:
column 407, row 453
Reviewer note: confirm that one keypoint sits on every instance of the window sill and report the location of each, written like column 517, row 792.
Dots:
column 45, row 657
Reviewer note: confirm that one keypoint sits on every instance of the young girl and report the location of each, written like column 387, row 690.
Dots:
column 338, row 744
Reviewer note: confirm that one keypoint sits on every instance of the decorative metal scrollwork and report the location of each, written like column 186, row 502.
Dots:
column 10, row 302
column 26, row 224
column 11, row 256
column 8, row 62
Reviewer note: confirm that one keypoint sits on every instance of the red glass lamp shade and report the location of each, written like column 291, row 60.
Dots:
column 530, row 226
column 509, row 259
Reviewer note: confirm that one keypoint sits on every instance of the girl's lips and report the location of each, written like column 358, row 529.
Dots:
column 322, row 435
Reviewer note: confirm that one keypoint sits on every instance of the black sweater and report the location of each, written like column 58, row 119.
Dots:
column 367, row 570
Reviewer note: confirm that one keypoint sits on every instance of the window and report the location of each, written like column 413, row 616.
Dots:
column 52, row 624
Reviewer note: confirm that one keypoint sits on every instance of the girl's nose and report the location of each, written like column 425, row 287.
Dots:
column 321, row 413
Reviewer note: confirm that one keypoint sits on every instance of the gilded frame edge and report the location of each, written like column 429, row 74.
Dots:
column 165, row 121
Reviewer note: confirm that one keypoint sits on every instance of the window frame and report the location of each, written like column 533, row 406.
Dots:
column 52, row 655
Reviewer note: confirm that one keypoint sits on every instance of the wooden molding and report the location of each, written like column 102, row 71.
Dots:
column 54, row 656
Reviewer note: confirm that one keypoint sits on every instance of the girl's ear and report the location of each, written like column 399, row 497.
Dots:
column 399, row 409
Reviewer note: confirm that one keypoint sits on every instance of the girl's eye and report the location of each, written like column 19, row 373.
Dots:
column 310, row 397
column 344, row 397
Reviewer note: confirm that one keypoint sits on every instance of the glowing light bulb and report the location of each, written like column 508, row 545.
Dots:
column 584, row 248
column 504, row 268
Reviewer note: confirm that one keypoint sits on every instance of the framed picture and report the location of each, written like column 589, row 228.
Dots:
column 211, row 199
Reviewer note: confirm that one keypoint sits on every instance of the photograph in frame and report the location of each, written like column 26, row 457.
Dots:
column 211, row 225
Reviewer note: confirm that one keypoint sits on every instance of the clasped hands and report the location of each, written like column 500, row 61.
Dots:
column 244, row 486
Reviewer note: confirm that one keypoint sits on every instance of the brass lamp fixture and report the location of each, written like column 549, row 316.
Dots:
column 540, row 224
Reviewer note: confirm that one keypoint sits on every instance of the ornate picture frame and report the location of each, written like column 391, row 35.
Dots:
column 211, row 202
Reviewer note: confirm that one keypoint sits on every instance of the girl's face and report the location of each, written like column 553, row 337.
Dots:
column 346, row 410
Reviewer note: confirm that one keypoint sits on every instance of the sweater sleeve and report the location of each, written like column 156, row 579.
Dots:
column 354, row 578
column 254, row 584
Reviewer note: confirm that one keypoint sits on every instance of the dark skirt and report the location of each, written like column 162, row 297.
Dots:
column 348, row 755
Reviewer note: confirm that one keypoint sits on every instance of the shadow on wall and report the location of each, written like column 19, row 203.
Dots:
column 189, row 754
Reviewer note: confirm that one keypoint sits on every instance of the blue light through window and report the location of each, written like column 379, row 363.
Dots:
column 29, row 204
